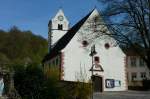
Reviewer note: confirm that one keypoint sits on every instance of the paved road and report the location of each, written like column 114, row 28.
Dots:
column 123, row 95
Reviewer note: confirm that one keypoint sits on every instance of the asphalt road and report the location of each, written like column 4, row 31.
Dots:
column 123, row 95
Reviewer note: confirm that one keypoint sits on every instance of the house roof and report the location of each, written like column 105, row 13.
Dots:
column 62, row 42
column 135, row 50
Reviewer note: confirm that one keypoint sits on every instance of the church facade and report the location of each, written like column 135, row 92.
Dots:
column 79, row 55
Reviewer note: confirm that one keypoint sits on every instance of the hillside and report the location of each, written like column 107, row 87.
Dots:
column 21, row 47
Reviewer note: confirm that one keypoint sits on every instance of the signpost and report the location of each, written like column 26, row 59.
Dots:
column 95, row 66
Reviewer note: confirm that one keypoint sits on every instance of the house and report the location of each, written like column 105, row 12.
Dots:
column 78, row 55
column 137, row 71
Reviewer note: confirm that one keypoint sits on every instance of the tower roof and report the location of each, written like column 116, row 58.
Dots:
column 60, row 12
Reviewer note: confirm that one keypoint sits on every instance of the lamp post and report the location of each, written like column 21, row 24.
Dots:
column 93, row 52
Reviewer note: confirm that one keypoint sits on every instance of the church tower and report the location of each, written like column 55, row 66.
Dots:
column 57, row 26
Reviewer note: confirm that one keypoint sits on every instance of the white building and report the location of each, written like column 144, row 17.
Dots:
column 137, row 70
column 70, row 52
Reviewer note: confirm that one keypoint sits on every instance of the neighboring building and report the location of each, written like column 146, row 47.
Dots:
column 137, row 71
column 70, row 53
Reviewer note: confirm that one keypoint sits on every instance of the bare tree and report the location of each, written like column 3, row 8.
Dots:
column 129, row 23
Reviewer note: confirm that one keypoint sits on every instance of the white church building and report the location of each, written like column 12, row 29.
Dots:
column 76, row 51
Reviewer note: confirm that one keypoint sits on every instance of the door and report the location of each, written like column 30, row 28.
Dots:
column 97, row 84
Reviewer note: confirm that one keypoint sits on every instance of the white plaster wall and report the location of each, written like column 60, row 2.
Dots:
column 112, row 60
column 56, row 35
column 137, row 69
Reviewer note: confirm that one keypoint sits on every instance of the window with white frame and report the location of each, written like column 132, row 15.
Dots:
column 133, row 61
column 141, row 62
column 133, row 75
column 143, row 75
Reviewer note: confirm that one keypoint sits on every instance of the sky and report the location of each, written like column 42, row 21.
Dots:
column 34, row 15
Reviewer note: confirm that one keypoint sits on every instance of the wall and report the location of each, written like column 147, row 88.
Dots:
column 136, row 69
column 54, row 63
column 77, row 58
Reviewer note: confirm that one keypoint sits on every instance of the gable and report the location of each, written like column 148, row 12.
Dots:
column 57, row 16
column 62, row 43
column 84, row 23
column 88, row 31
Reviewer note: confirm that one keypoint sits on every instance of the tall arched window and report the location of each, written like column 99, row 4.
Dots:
column 60, row 27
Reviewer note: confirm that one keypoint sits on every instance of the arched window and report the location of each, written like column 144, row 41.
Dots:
column 107, row 45
column 60, row 27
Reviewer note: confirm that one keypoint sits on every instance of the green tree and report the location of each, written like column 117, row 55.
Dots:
column 22, row 47
column 3, row 58
column 31, row 83
column 28, row 81
column 82, row 88
column 52, row 87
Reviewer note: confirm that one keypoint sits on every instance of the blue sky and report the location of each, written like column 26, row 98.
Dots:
column 34, row 14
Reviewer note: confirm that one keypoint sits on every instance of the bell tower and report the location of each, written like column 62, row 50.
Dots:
column 57, row 27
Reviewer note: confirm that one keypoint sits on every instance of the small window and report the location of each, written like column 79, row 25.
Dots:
column 60, row 27
column 133, row 75
column 133, row 61
column 84, row 43
column 143, row 75
column 96, row 59
column 49, row 65
column 53, row 63
column 107, row 45
column 57, row 61
column 141, row 62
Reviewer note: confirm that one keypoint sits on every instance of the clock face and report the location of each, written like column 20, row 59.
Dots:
column 60, row 18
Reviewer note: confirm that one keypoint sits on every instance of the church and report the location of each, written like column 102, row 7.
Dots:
column 78, row 53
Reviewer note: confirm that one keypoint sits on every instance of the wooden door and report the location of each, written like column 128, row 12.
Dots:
column 97, row 84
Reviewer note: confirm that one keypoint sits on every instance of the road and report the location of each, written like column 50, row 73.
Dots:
column 123, row 95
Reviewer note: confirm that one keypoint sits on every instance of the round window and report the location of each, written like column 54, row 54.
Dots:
column 107, row 45
column 84, row 43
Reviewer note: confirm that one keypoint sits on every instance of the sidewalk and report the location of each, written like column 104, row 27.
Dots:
column 123, row 95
